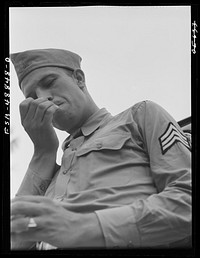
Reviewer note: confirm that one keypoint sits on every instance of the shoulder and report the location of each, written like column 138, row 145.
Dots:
column 143, row 111
column 136, row 113
column 149, row 114
column 139, row 108
column 143, row 107
column 147, row 104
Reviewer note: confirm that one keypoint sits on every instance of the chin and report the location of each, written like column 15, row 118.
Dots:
column 57, row 126
column 57, row 122
column 63, row 124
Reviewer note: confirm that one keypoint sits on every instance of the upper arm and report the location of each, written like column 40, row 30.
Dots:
column 167, row 146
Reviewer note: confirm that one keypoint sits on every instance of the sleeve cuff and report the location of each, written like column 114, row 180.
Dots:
column 119, row 227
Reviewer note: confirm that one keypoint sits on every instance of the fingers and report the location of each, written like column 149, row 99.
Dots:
column 32, row 206
column 21, row 232
column 24, row 107
column 37, row 106
column 27, row 209
column 43, row 200
column 47, row 115
column 39, row 110
column 31, row 198
column 19, row 224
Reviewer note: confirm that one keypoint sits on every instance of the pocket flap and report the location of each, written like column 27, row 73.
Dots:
column 107, row 142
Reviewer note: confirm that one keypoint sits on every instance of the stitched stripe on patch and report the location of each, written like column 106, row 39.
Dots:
column 170, row 137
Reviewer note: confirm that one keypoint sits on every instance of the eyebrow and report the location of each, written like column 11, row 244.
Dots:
column 42, row 81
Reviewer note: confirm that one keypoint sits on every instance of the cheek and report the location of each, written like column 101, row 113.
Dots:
column 73, row 105
column 71, row 110
column 62, row 114
column 66, row 114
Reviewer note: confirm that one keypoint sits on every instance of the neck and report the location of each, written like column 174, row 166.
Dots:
column 91, row 110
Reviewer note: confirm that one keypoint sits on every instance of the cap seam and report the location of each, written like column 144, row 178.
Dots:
column 42, row 65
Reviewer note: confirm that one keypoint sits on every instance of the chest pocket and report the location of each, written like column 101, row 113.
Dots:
column 106, row 142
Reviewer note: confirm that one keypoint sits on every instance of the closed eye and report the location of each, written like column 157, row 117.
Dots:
column 45, row 82
column 48, row 81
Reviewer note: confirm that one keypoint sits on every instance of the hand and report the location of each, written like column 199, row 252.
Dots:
column 36, row 118
column 55, row 225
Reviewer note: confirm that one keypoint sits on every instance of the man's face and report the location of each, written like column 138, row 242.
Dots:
column 63, row 90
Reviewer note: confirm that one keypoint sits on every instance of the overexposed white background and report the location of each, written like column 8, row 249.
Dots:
column 129, row 54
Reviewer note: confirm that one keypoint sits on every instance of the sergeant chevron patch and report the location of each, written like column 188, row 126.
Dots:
column 170, row 137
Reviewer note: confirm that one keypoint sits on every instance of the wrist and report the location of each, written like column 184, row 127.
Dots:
column 33, row 184
column 43, row 164
column 38, row 152
column 92, row 235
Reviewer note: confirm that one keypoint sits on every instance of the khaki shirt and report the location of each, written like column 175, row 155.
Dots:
column 133, row 170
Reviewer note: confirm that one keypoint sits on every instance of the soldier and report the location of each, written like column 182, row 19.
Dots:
column 124, row 180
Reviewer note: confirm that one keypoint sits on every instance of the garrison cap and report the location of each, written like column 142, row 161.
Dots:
column 27, row 61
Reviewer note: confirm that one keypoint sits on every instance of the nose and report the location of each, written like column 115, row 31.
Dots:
column 44, row 94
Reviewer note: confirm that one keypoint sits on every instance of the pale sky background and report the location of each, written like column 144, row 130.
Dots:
column 129, row 54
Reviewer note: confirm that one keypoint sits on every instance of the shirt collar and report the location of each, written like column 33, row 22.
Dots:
column 91, row 125
column 94, row 121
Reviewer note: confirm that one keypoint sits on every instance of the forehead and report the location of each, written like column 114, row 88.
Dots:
column 30, row 82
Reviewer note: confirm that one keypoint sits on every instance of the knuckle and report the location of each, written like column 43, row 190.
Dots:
column 17, row 207
column 26, row 101
column 23, row 104
column 46, row 209
column 49, row 111
column 49, row 201
column 37, row 102
column 42, row 105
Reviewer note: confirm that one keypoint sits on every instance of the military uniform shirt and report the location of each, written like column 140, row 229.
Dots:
column 133, row 171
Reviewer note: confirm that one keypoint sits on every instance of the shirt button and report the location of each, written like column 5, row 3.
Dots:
column 64, row 172
column 99, row 145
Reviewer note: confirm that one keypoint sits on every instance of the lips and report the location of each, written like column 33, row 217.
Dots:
column 59, row 106
column 58, row 103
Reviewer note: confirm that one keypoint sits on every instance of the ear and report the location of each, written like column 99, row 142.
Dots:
column 79, row 77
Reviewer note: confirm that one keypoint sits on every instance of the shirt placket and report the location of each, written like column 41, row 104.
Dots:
column 67, row 168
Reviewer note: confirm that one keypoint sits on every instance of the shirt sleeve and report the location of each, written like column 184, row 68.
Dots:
column 163, row 219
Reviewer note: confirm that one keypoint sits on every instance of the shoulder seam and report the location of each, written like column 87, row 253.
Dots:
column 139, row 105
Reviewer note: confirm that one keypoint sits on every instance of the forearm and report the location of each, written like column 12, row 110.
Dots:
column 159, row 221
column 43, row 164
column 86, row 232
column 39, row 174
column 92, row 235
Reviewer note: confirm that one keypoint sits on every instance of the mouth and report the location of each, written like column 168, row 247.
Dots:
column 58, row 104
column 59, row 107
